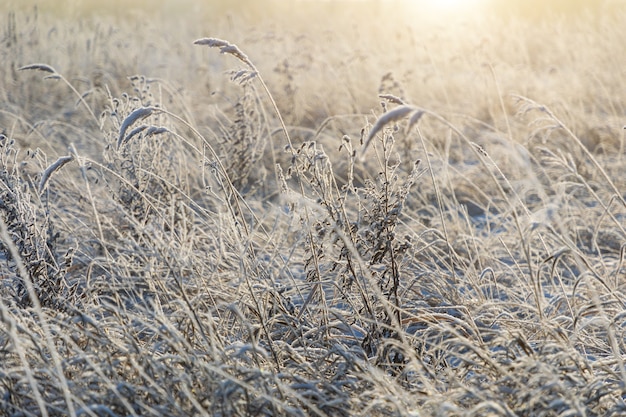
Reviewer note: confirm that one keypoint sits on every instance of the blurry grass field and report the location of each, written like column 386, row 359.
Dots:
column 325, row 209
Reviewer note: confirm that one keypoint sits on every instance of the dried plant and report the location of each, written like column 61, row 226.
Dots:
column 31, row 232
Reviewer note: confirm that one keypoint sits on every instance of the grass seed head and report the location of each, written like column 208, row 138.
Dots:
column 389, row 117
column 55, row 166
column 226, row 48
column 38, row 67
column 140, row 113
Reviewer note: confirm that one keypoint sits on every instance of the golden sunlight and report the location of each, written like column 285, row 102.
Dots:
column 449, row 7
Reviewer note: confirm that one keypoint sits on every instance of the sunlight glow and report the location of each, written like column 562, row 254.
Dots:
column 446, row 7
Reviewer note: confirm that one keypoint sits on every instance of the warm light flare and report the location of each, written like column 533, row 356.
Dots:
column 446, row 7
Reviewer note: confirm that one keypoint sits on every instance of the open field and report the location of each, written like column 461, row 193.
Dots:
column 294, row 208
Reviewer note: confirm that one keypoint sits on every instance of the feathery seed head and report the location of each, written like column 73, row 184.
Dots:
column 226, row 48
column 390, row 116
column 140, row 113
column 38, row 67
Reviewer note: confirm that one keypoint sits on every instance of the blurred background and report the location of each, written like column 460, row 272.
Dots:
column 256, row 8
column 322, row 58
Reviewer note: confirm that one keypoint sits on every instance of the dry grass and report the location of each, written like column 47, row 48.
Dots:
column 378, row 216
